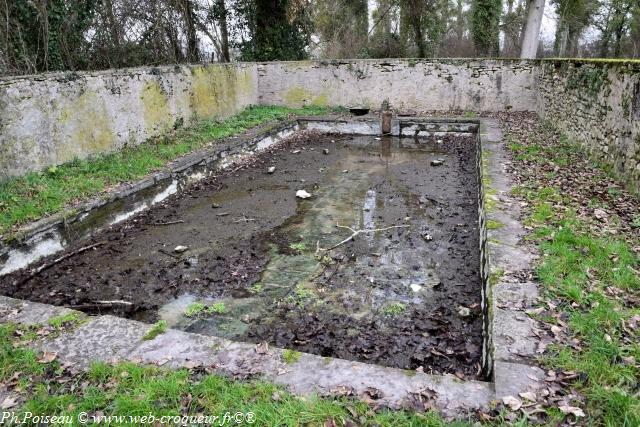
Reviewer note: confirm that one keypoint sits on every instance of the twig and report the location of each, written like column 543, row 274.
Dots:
column 354, row 234
column 101, row 304
column 167, row 223
column 244, row 219
column 58, row 260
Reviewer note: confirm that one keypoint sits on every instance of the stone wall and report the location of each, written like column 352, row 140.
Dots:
column 50, row 119
column 432, row 84
column 598, row 105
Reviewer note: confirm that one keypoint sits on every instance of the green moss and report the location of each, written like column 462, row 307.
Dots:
column 216, row 308
column 65, row 320
column 86, row 128
column 492, row 224
column 495, row 276
column 290, row 356
column 158, row 328
column 394, row 309
column 194, row 309
column 298, row 247
column 214, row 90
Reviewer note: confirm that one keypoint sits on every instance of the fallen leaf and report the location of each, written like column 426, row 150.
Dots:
column 528, row 395
column 574, row 410
column 48, row 357
column 9, row 401
column 512, row 403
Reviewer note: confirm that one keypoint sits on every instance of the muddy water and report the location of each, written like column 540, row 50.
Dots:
column 257, row 254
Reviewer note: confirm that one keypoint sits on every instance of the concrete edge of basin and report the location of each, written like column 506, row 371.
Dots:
column 514, row 337
column 111, row 339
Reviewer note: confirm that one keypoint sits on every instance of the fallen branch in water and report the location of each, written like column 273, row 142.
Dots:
column 354, row 234
column 101, row 304
column 167, row 223
column 162, row 251
column 58, row 260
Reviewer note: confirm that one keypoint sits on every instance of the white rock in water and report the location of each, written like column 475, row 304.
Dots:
column 179, row 249
column 464, row 311
column 415, row 287
column 271, row 169
column 302, row 194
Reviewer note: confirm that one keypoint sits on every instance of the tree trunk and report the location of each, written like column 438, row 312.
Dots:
column 190, row 27
column 532, row 31
column 224, row 31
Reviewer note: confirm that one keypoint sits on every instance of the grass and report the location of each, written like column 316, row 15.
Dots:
column 37, row 194
column 197, row 308
column 290, row 356
column 194, row 309
column 160, row 327
column 65, row 320
column 128, row 389
column 394, row 309
column 594, row 280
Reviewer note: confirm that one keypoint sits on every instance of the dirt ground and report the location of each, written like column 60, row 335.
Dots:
column 407, row 296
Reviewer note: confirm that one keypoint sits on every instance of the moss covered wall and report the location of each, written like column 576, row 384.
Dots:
column 52, row 118
column 596, row 103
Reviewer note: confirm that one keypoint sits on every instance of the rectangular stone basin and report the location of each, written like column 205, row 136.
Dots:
column 380, row 264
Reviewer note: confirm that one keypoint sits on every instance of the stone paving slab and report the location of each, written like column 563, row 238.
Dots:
column 396, row 388
column 29, row 313
column 514, row 339
column 517, row 295
column 514, row 378
column 102, row 338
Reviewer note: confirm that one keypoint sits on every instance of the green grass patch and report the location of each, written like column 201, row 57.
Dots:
column 37, row 194
column 128, row 389
column 291, row 356
column 160, row 327
column 594, row 279
column 65, row 320
column 394, row 309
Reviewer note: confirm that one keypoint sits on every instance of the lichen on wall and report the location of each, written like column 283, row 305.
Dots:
column 215, row 87
column 157, row 115
column 85, row 127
